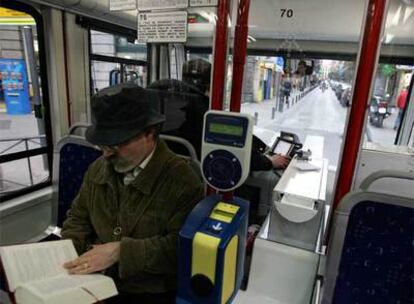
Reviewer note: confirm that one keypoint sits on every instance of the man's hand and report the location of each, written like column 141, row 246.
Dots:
column 279, row 161
column 100, row 257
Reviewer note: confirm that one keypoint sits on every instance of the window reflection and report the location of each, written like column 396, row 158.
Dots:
column 116, row 60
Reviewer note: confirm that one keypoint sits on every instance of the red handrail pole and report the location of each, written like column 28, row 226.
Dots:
column 239, row 59
column 362, row 88
column 220, row 61
column 220, row 55
column 239, row 54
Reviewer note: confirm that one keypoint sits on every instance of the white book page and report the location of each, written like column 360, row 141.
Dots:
column 70, row 289
column 28, row 262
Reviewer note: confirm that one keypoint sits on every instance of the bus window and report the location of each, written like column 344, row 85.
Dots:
column 25, row 141
column 388, row 104
column 390, row 112
column 299, row 77
column 104, row 74
column 116, row 60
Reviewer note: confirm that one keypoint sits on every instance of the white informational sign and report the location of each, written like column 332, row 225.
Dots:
column 122, row 5
column 162, row 27
column 203, row 2
column 148, row 5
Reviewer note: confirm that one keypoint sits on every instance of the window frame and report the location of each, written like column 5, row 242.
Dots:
column 113, row 29
column 48, row 149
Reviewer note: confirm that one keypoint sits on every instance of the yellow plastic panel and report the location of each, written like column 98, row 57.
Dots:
column 230, row 268
column 204, row 255
column 224, row 212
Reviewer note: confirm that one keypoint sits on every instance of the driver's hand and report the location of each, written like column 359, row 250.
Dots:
column 279, row 161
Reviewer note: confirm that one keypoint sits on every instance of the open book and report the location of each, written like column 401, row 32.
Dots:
column 35, row 273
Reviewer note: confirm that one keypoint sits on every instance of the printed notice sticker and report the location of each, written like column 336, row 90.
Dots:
column 203, row 2
column 122, row 5
column 162, row 27
column 148, row 5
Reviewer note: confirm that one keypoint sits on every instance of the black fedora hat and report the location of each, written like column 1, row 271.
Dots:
column 121, row 112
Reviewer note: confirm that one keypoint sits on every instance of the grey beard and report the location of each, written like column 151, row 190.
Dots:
column 122, row 166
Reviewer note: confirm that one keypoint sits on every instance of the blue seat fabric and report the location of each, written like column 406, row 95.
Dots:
column 74, row 161
column 377, row 258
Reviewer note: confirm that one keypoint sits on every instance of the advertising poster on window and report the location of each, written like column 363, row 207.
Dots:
column 13, row 78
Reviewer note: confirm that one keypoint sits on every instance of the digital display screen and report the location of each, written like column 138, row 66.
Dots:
column 226, row 129
column 282, row 147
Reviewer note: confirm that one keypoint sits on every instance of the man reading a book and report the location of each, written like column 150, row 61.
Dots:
column 133, row 201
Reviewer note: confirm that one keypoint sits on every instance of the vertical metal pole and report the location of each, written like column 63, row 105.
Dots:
column 28, row 162
column 122, row 76
column 66, row 65
column 164, row 62
column 1, row 179
column 30, row 58
column 365, row 72
column 277, row 89
column 153, row 63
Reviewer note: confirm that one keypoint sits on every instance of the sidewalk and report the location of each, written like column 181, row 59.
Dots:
column 16, row 174
column 270, row 107
column 16, row 126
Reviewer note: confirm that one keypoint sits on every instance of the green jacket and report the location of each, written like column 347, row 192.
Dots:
column 150, row 212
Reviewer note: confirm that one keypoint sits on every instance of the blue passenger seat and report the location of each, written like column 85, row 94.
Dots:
column 73, row 155
column 371, row 253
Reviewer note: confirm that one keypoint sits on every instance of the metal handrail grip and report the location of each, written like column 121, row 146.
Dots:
column 318, row 287
column 75, row 126
column 185, row 143
column 384, row 174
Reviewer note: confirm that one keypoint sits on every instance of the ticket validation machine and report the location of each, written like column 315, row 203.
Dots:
column 212, row 240
column 226, row 149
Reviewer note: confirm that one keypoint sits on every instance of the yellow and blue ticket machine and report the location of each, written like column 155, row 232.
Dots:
column 211, row 251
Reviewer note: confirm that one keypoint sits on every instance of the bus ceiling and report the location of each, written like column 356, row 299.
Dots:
column 303, row 20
